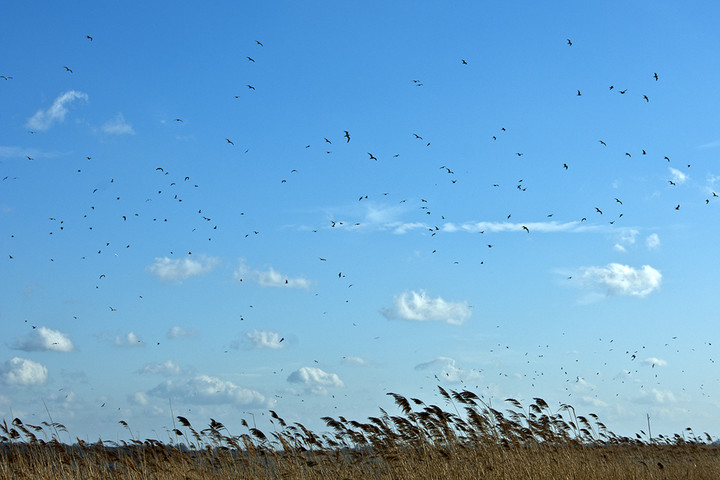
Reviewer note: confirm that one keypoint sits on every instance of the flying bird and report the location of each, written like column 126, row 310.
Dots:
column 655, row 76
column 603, row 143
column 67, row 69
column 417, row 136
column 229, row 141
column 569, row 42
column 250, row 87
column 618, row 201
column 88, row 37
column 464, row 62
column 646, row 98
column 598, row 210
column 249, row 58
column 565, row 166
column 256, row 41
column 372, row 157
column 347, row 135
column 526, row 228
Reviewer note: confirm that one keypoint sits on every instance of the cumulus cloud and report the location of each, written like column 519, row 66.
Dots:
column 129, row 340
column 21, row 371
column 176, row 270
column 419, row 306
column 42, row 339
column 677, row 175
column 44, row 119
column 118, row 126
column 265, row 339
column 652, row 241
column 617, row 279
column 315, row 379
column 446, row 369
column 180, row 332
column 166, row 368
column 269, row 278
column 204, row 389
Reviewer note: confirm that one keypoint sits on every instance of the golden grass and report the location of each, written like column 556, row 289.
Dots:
column 425, row 442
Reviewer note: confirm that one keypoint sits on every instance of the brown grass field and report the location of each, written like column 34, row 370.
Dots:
column 424, row 442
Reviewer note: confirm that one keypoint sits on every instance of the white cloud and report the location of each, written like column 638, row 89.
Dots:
column 42, row 339
column 175, row 270
column 652, row 241
column 418, row 306
column 269, row 278
column 166, row 368
column 677, row 175
column 494, row 227
column 446, row 369
column 179, row 332
column 352, row 360
column 129, row 340
column 21, row 371
column 204, row 389
column 653, row 361
column 617, row 279
column 265, row 339
column 118, row 126
column 43, row 119
column 315, row 379
column 139, row 398
column 657, row 396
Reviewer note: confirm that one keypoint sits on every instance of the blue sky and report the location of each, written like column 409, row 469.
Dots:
column 185, row 223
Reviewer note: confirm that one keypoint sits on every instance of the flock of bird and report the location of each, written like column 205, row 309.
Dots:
column 176, row 188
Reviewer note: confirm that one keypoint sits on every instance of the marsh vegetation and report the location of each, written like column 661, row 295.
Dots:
column 467, row 439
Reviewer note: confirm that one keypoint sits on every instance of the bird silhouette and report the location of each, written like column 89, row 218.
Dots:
column 347, row 135
column 249, row 58
column 89, row 37
column 256, row 41
column 229, row 141
column 67, row 69
column 372, row 157
column 655, row 76
column 569, row 42
column 598, row 210
column 250, row 87
column 464, row 62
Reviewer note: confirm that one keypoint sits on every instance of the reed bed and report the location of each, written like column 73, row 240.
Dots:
column 473, row 440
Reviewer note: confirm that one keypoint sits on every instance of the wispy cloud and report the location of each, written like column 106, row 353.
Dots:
column 44, row 119
column 652, row 241
column 21, row 371
column 494, row 227
column 269, row 277
column 418, row 306
column 617, row 279
column 130, row 339
column 446, row 369
column 315, row 379
column 118, row 126
column 204, row 389
column 45, row 339
column 653, row 361
column 353, row 360
column 677, row 175
column 175, row 270
column 180, row 332
column 166, row 368
column 265, row 339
